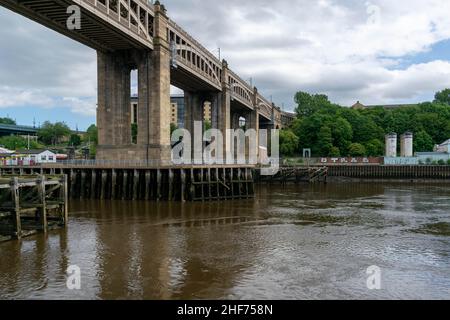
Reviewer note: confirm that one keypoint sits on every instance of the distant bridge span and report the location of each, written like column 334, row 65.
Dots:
column 134, row 34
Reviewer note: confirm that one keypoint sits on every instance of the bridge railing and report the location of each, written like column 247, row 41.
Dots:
column 189, row 39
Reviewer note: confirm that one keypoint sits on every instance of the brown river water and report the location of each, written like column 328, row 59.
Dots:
column 294, row 242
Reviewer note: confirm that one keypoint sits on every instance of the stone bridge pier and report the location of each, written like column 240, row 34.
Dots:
column 113, row 110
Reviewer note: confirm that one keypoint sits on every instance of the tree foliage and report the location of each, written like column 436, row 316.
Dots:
column 53, row 134
column 443, row 96
column 357, row 150
column 7, row 121
column 18, row 142
column 173, row 127
column 75, row 140
column 423, row 141
column 92, row 134
column 288, row 143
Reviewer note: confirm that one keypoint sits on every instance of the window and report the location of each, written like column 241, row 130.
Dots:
column 50, row 158
column 43, row 158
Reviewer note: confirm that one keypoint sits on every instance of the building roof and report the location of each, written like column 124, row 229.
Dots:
column 359, row 105
column 445, row 143
column 4, row 155
column 36, row 151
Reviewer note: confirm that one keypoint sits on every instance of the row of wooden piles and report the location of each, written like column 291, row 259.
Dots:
column 178, row 184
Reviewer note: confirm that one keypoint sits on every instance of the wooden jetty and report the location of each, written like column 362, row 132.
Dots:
column 291, row 174
column 195, row 183
column 31, row 204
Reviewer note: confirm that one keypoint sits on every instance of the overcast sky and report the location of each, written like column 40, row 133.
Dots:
column 378, row 51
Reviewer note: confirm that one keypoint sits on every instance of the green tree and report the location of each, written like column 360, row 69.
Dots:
column 342, row 133
column 207, row 124
column 173, row 127
column 53, row 133
column 442, row 96
column 7, row 121
column 357, row 150
column 92, row 134
column 75, row 140
column 288, row 143
column 92, row 138
column 308, row 104
column 335, row 152
column 374, row 148
column 17, row 142
column 423, row 142
column 325, row 140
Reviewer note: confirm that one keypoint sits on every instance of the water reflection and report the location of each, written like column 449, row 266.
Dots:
column 292, row 242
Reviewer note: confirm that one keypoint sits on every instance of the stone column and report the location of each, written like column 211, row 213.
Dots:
column 224, row 110
column 253, row 119
column 113, row 110
column 159, row 107
column 193, row 110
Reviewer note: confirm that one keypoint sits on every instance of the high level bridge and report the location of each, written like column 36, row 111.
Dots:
column 137, row 35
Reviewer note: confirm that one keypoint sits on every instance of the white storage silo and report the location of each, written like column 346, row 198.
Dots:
column 406, row 145
column 391, row 145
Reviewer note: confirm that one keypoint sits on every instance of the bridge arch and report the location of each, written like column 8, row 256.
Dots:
column 198, row 60
column 239, row 91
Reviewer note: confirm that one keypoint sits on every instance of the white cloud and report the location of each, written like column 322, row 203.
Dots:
column 14, row 97
column 85, row 107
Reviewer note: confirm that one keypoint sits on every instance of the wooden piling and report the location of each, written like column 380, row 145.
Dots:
column 43, row 204
column 114, row 184
column 93, row 184
column 135, row 184
column 170, row 184
column 158, row 184
column 17, row 224
column 64, row 195
column 183, row 185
